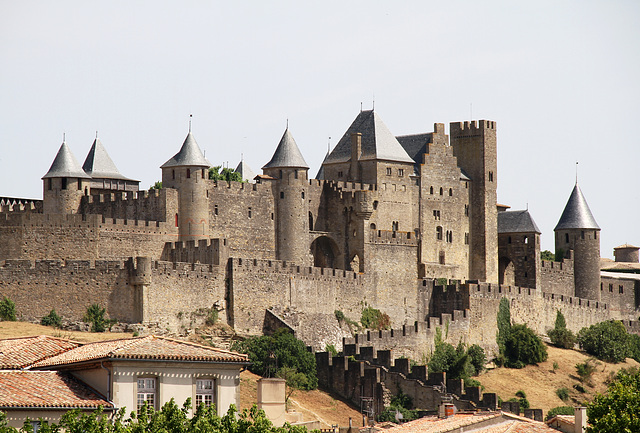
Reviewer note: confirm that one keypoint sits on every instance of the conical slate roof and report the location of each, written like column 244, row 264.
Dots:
column 516, row 221
column 377, row 141
column 65, row 165
column 287, row 154
column 98, row 164
column 576, row 214
column 245, row 171
column 189, row 155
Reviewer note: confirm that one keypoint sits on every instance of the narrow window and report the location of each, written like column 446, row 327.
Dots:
column 490, row 176
column 375, row 204
column 621, row 289
column 394, row 226
column 49, row 183
column 601, row 286
column 202, row 174
column 466, row 185
column 566, row 238
column 611, row 288
column 439, row 233
column 147, row 392
column 188, row 173
column 173, row 174
column 400, row 172
column 466, row 238
column 526, row 240
column 64, row 183
column 441, row 191
column 339, row 174
column 582, row 234
column 204, row 392
column 450, row 192
column 215, row 209
column 280, row 172
column 372, row 226
column 509, row 240
column 295, row 173
column 595, row 234
column 466, row 210
column 431, row 190
column 79, row 184
column 281, row 194
column 176, row 220
column 388, row 171
column 249, row 212
column 302, row 194
column 310, row 221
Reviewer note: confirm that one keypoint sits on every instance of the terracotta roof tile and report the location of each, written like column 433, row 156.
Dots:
column 148, row 347
column 17, row 353
column 46, row 389
column 494, row 422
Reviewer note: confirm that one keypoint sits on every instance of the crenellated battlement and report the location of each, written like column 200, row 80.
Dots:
column 239, row 187
column 11, row 204
column 206, row 251
column 126, row 196
column 466, row 127
column 48, row 266
column 392, row 237
column 283, row 267
column 551, row 266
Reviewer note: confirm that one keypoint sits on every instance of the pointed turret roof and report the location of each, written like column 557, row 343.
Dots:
column 516, row 221
column 98, row 164
column 245, row 171
column 189, row 155
column 287, row 154
column 377, row 141
column 65, row 165
column 576, row 214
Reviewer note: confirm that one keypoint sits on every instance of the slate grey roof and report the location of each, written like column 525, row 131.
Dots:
column 189, row 155
column 377, row 141
column 98, row 164
column 415, row 145
column 287, row 154
column 65, row 165
column 576, row 214
column 516, row 221
column 245, row 171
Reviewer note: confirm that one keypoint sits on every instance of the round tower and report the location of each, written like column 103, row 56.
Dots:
column 188, row 172
column 64, row 184
column 578, row 237
column 290, row 171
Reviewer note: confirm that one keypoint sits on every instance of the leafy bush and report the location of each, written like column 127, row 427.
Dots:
column 634, row 346
column 95, row 316
column 226, row 173
column 559, row 410
column 339, row 315
column 547, row 255
column 563, row 393
column 373, row 318
column 619, row 409
column 270, row 353
column 607, row 341
column 523, row 347
column 560, row 336
column 400, row 404
column 331, row 349
column 521, row 394
column 477, row 358
column 586, row 369
column 7, row 310
column 212, row 318
column 51, row 319
column 579, row 388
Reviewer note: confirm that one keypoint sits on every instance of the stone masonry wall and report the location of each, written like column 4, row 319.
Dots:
column 557, row 277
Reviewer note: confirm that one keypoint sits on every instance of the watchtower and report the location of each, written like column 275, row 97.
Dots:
column 518, row 249
column 188, row 172
column 578, row 232
column 291, row 173
column 64, row 184
column 475, row 146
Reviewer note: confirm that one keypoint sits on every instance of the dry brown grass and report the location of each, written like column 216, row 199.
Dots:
column 25, row 329
column 540, row 382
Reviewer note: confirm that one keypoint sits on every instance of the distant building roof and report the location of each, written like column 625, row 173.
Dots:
column 65, row 165
column 189, row 155
column 287, row 154
column 46, row 389
column 576, row 214
column 98, row 164
column 17, row 353
column 516, row 221
column 377, row 141
column 144, row 348
column 626, row 246
column 415, row 145
column 245, row 171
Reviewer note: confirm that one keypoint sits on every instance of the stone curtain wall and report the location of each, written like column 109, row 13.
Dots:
column 152, row 205
column 557, row 277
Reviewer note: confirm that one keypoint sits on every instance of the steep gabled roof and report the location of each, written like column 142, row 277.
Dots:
column 16, row 353
column 98, row 164
column 144, row 348
column 287, row 154
column 377, row 141
column 245, row 171
column 189, row 155
column 516, row 221
column 46, row 389
column 576, row 214
column 65, row 165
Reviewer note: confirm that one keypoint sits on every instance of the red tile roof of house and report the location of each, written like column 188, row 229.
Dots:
column 46, row 389
column 483, row 422
column 18, row 353
column 144, row 348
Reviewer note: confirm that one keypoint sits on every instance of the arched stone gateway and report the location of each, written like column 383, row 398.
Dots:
column 506, row 272
column 324, row 251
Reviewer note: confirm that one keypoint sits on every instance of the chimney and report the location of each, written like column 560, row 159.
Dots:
column 581, row 419
column 356, row 150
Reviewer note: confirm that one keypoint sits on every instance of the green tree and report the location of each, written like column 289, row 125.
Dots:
column 7, row 310
column 547, row 255
column 523, row 347
column 477, row 358
column 504, row 324
column 560, row 336
column 618, row 410
column 157, row 185
column 52, row 319
column 373, row 318
column 95, row 316
column 607, row 341
column 226, row 174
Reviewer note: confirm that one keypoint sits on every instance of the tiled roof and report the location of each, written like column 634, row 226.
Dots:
column 98, row 163
column 144, row 348
column 17, row 353
column 287, row 154
column 377, row 141
column 576, row 214
column 65, row 165
column 516, row 221
column 493, row 422
column 189, row 154
column 46, row 389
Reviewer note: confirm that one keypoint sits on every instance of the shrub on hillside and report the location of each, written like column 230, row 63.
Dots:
column 7, row 310
column 523, row 347
column 560, row 336
column 52, row 319
column 586, row 369
column 95, row 316
column 563, row 393
column 373, row 318
column 607, row 341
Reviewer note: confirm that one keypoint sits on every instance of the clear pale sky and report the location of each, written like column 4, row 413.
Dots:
column 560, row 78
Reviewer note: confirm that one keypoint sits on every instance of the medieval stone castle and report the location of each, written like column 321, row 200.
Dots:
column 386, row 222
